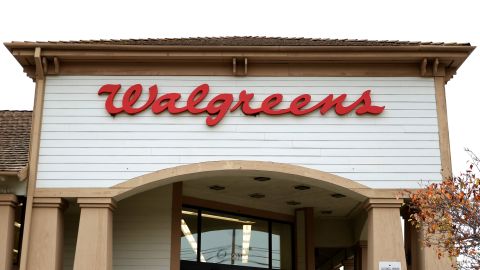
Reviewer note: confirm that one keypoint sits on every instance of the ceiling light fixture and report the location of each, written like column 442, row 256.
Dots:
column 247, row 234
column 293, row 203
column 326, row 212
column 216, row 187
column 204, row 215
column 338, row 195
column 302, row 187
column 262, row 178
column 257, row 195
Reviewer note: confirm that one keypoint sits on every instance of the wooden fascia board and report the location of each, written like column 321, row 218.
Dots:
column 8, row 173
column 20, row 174
column 346, row 56
column 450, row 56
column 90, row 46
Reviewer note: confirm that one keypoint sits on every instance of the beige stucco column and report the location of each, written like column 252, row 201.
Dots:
column 46, row 234
column 425, row 258
column 361, row 256
column 8, row 202
column 305, row 246
column 94, row 240
column 385, row 240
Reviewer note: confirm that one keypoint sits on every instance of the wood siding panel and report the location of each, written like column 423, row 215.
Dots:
column 83, row 146
column 141, row 240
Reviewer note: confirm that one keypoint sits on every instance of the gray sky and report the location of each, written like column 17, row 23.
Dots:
column 426, row 20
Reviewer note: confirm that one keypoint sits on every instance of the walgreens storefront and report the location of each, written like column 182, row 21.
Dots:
column 232, row 153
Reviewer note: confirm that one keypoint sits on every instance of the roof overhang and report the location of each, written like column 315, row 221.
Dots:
column 20, row 175
column 447, row 59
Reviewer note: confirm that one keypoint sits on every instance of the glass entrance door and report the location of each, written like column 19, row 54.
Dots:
column 218, row 240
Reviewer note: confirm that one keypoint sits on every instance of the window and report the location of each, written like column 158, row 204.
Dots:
column 212, row 237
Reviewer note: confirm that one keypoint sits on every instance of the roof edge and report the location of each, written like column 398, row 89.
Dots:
column 75, row 46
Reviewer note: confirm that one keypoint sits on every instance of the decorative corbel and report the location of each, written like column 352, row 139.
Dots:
column 56, row 64
column 238, row 65
column 234, row 63
column 23, row 173
column 246, row 67
column 45, row 65
column 435, row 67
column 39, row 71
column 423, row 67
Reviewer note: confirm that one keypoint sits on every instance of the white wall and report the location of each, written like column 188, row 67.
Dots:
column 142, row 231
column 141, row 240
column 83, row 146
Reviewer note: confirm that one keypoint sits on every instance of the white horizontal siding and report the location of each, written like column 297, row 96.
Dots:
column 83, row 146
column 142, row 240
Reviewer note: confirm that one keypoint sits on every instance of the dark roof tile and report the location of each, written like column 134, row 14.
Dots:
column 14, row 139
column 247, row 41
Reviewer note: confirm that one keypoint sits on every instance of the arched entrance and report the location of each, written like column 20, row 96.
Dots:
column 297, row 218
column 238, row 168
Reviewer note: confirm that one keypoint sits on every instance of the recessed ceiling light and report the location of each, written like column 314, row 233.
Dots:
column 216, row 187
column 326, row 212
column 262, row 178
column 257, row 195
column 293, row 203
column 301, row 187
column 338, row 195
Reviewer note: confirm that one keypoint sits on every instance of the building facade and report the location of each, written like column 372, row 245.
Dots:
column 228, row 153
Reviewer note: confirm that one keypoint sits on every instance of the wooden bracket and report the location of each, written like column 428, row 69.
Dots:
column 423, row 67
column 435, row 67
column 238, row 66
column 45, row 65
column 39, row 71
column 246, row 65
column 56, row 64
column 234, row 63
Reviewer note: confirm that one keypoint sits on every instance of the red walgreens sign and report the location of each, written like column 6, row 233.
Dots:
column 222, row 104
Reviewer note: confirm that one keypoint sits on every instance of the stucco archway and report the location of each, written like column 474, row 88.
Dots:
column 237, row 167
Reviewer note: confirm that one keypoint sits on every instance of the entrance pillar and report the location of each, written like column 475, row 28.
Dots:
column 94, row 240
column 385, row 241
column 425, row 258
column 46, row 234
column 348, row 264
column 361, row 256
column 8, row 202
column 305, row 246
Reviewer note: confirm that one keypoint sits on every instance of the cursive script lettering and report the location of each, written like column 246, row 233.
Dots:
column 218, row 107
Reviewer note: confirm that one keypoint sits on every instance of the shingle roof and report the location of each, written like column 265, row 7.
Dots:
column 14, row 139
column 247, row 41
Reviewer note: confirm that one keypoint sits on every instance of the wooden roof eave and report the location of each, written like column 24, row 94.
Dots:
column 450, row 56
column 113, row 47
column 25, row 56
column 21, row 175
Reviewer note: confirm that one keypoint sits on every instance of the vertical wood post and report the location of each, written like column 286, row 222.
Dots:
column 305, row 245
column 176, row 226
column 445, row 155
column 32, row 162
